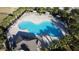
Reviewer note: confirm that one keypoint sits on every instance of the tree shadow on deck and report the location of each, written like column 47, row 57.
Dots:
column 24, row 47
column 24, row 36
column 60, row 25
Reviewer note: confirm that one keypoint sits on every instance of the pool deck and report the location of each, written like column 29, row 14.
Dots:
column 33, row 17
column 30, row 44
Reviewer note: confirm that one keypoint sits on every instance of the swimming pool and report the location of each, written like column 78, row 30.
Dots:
column 44, row 28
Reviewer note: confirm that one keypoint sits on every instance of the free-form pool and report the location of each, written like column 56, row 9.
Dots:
column 44, row 28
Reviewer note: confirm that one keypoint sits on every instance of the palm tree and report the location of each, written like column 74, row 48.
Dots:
column 29, row 9
column 65, row 41
column 62, row 44
column 48, row 9
column 67, row 18
column 75, row 11
column 55, row 11
column 40, row 10
column 66, row 8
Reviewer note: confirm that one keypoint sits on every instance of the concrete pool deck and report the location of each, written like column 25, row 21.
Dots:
column 34, row 18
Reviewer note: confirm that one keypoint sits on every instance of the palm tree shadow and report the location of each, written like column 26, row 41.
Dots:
column 60, row 24
column 24, row 47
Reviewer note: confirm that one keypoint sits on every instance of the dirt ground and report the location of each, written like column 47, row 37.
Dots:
column 4, row 11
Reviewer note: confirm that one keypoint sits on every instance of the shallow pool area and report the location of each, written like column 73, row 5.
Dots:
column 44, row 28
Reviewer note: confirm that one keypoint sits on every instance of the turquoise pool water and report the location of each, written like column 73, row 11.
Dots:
column 44, row 28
